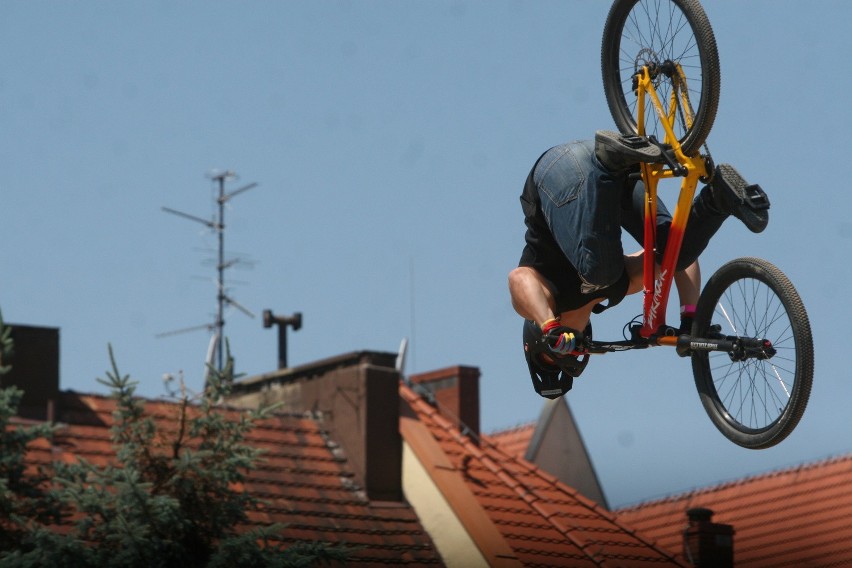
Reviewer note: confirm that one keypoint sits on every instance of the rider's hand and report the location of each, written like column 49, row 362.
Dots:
column 561, row 340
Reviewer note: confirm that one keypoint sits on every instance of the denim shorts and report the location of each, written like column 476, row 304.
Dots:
column 574, row 211
column 581, row 202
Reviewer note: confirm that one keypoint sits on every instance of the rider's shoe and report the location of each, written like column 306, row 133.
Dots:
column 733, row 195
column 618, row 152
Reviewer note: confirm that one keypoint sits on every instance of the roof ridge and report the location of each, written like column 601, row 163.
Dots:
column 173, row 401
column 527, row 494
column 581, row 500
column 498, row 471
column 696, row 491
column 513, row 429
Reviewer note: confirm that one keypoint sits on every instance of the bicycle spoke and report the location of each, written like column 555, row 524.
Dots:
column 721, row 309
column 780, row 380
column 754, row 392
column 658, row 32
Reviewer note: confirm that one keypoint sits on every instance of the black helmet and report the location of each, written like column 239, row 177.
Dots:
column 553, row 378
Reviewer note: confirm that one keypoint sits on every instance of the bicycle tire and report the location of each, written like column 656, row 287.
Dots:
column 644, row 31
column 755, row 403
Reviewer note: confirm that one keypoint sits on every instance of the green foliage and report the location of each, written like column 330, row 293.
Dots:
column 7, row 346
column 171, row 498
column 22, row 498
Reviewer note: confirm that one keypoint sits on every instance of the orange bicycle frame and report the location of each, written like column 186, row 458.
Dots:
column 657, row 281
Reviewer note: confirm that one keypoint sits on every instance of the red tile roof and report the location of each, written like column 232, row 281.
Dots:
column 534, row 519
column 303, row 480
column 514, row 441
column 801, row 516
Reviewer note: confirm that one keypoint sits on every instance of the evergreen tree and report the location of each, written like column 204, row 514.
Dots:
column 171, row 498
column 23, row 500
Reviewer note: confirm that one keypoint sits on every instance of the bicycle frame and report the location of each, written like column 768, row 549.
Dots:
column 657, row 283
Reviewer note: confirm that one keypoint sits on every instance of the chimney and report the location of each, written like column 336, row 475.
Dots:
column 456, row 391
column 356, row 396
column 707, row 544
column 34, row 369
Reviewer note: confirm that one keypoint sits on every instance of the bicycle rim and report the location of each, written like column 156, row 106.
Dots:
column 757, row 402
column 651, row 32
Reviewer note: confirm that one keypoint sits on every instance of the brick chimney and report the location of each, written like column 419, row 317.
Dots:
column 456, row 392
column 34, row 369
column 707, row 544
column 356, row 396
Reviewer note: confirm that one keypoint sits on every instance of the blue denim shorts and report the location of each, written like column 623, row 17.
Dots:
column 581, row 202
column 575, row 209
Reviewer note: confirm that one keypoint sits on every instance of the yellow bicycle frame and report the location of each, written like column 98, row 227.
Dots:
column 657, row 283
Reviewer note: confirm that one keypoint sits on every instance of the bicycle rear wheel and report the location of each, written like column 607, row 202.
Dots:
column 755, row 401
column 660, row 32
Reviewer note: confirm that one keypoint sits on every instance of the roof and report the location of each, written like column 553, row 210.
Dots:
column 304, row 482
column 554, row 444
column 514, row 441
column 532, row 517
column 799, row 516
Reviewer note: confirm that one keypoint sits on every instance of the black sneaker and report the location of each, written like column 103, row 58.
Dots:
column 618, row 152
column 733, row 195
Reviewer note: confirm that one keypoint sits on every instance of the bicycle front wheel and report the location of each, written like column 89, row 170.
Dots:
column 662, row 34
column 757, row 398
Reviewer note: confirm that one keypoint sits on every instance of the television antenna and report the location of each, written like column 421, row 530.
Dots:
column 215, row 350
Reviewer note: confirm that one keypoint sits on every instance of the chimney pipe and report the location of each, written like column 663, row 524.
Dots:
column 707, row 544
column 295, row 321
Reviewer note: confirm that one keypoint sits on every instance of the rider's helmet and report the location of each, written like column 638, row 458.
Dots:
column 551, row 377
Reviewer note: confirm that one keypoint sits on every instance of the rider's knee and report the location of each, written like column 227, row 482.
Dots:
column 519, row 276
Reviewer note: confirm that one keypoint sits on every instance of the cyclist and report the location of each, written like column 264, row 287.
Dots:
column 576, row 199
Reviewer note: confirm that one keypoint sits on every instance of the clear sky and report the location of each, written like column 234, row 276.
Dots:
column 390, row 141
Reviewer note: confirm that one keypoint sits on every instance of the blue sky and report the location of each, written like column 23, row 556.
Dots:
column 390, row 141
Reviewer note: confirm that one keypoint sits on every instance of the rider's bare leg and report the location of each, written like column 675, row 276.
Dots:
column 633, row 263
column 578, row 319
column 688, row 283
column 533, row 299
column 531, row 295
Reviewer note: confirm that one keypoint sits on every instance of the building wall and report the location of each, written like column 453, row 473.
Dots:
column 447, row 532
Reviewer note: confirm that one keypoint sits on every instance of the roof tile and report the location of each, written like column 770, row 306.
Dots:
column 302, row 482
column 794, row 517
column 544, row 522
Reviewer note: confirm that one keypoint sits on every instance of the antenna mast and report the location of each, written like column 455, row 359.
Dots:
column 222, row 298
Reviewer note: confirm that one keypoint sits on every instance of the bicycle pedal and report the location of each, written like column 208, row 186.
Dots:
column 634, row 141
column 756, row 197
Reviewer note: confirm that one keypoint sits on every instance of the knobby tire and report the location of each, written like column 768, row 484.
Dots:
column 638, row 32
column 755, row 403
